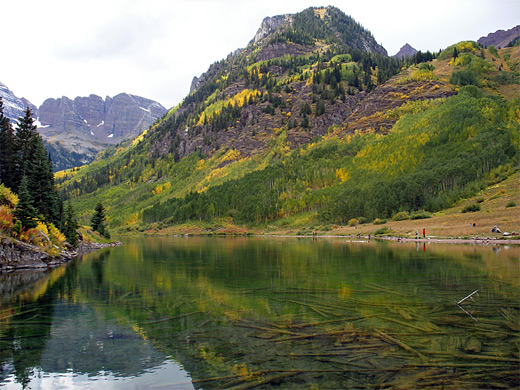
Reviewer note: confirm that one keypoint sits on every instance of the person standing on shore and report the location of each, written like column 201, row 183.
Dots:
column 424, row 233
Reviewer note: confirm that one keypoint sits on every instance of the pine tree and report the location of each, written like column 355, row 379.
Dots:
column 7, row 148
column 25, row 133
column 98, row 220
column 70, row 225
column 25, row 212
column 320, row 108
column 38, row 169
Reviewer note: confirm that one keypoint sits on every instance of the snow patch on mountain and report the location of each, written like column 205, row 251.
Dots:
column 14, row 107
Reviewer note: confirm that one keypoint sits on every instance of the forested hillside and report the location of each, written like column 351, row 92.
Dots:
column 303, row 122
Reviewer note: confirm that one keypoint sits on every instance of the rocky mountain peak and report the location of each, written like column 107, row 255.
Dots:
column 270, row 25
column 405, row 51
column 93, row 118
column 14, row 106
column 500, row 38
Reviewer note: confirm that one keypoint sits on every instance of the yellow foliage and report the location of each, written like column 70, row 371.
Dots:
column 235, row 101
column 418, row 75
column 231, row 155
column 56, row 236
column 199, row 165
column 133, row 218
column 465, row 46
column 139, row 138
column 41, row 227
column 7, row 197
column 342, row 174
column 320, row 13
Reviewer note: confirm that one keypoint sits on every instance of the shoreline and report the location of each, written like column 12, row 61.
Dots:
column 363, row 237
column 16, row 255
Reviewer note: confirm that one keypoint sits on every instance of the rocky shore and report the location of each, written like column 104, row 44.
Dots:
column 15, row 255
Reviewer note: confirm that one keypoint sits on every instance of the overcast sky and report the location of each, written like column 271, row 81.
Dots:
column 153, row 48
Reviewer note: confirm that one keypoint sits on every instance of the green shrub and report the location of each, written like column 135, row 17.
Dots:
column 421, row 214
column 511, row 204
column 383, row 230
column 493, row 50
column 471, row 208
column 464, row 77
column 401, row 216
column 378, row 221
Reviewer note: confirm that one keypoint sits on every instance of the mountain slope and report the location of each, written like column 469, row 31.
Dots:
column 260, row 141
column 500, row 38
column 14, row 106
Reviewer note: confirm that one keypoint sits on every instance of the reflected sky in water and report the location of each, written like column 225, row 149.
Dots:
column 203, row 312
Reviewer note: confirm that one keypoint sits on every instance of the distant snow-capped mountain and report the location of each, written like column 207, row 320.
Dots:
column 74, row 131
column 14, row 106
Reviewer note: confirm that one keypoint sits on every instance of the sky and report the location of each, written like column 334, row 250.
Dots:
column 154, row 48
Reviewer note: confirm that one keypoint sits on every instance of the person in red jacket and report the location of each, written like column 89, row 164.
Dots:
column 424, row 233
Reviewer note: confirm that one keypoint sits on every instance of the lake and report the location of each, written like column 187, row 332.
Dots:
column 258, row 312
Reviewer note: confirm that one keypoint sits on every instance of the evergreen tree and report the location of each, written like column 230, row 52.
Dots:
column 7, row 148
column 33, row 161
column 25, row 212
column 305, row 122
column 70, row 225
column 25, row 134
column 320, row 108
column 98, row 220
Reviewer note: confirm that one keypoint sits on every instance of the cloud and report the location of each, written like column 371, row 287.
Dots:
column 128, row 35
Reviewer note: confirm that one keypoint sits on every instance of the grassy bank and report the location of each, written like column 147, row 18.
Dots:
column 498, row 204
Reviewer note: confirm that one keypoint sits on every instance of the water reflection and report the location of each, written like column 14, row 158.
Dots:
column 289, row 313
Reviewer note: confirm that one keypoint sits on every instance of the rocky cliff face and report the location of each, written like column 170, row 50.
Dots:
column 106, row 121
column 270, row 25
column 76, row 130
column 500, row 38
column 406, row 51
column 14, row 106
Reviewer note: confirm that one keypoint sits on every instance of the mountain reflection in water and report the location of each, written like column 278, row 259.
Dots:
column 286, row 313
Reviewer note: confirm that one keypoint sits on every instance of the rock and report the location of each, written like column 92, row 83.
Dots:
column 87, row 125
column 108, row 121
column 17, row 255
column 473, row 345
column 14, row 106
column 405, row 51
column 194, row 84
column 270, row 25
column 500, row 38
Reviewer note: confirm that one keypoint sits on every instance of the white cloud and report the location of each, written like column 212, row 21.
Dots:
column 153, row 48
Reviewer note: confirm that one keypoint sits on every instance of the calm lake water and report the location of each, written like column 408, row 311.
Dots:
column 284, row 313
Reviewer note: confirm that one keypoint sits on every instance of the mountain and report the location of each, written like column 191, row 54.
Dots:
column 87, row 125
column 307, row 126
column 308, row 36
column 75, row 131
column 14, row 106
column 108, row 121
column 405, row 51
column 500, row 38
